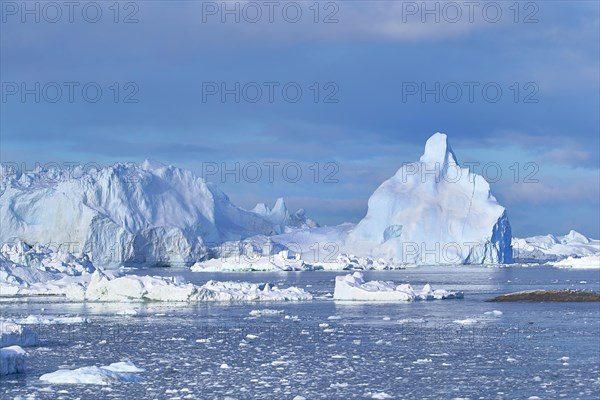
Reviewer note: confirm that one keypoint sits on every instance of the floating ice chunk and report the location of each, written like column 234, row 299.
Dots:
column 354, row 287
column 124, row 366
column 495, row 313
column 110, row 287
column 105, row 287
column 48, row 320
column 129, row 312
column 117, row 372
column 467, row 321
column 380, row 395
column 245, row 291
column 423, row 361
column 589, row 262
column 12, row 360
column 266, row 311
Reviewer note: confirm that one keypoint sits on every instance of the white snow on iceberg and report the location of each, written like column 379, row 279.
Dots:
column 353, row 287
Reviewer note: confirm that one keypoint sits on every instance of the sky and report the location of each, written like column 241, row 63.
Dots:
column 315, row 101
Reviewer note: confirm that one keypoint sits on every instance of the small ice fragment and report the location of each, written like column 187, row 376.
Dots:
column 381, row 395
column 467, row 321
column 495, row 313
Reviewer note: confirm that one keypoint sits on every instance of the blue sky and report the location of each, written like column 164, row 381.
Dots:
column 366, row 61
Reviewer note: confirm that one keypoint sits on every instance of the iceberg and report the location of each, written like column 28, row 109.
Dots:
column 434, row 212
column 107, row 287
column 113, row 373
column 353, row 287
column 588, row 262
column 98, row 285
column 136, row 215
column 12, row 360
column 281, row 218
column 550, row 248
column 245, row 291
column 12, row 338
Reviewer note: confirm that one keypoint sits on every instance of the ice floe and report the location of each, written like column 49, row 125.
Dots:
column 113, row 373
column 354, row 287
column 588, row 262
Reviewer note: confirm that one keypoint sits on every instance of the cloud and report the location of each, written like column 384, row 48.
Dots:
column 573, row 191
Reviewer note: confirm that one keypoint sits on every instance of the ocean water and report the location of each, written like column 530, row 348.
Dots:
column 323, row 349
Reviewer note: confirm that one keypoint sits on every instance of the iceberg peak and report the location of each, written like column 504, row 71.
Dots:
column 574, row 237
column 438, row 150
column 452, row 218
column 151, row 165
column 280, row 206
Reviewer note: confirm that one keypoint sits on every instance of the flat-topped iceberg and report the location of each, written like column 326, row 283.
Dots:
column 353, row 287
column 113, row 373
column 589, row 262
